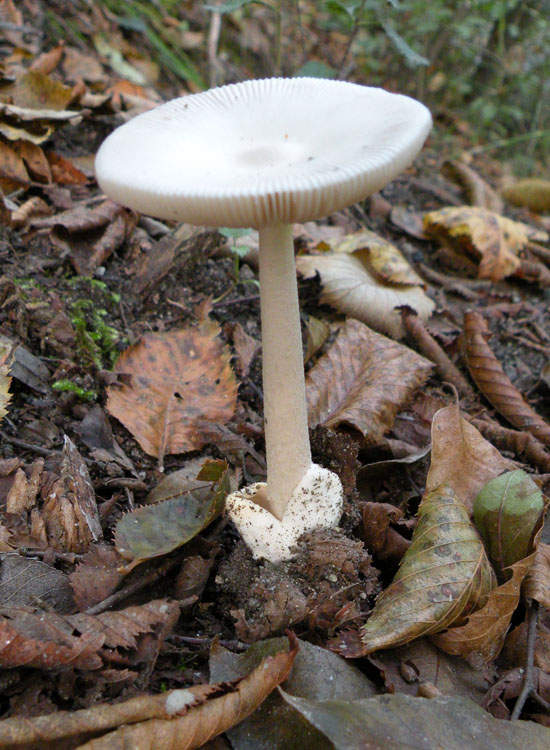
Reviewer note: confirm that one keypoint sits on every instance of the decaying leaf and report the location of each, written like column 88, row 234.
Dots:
column 34, row 125
column 442, row 578
column 486, row 629
column 401, row 722
column 36, row 90
column 368, row 285
column 176, row 379
column 25, row 581
column 488, row 237
column 532, row 193
column 177, row 515
column 363, row 380
column 5, row 395
column 461, row 457
column 493, row 382
column 191, row 727
column 507, row 512
column 537, row 581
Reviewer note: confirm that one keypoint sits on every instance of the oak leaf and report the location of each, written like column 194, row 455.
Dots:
column 176, row 379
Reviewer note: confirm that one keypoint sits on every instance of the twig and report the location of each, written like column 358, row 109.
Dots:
column 528, row 677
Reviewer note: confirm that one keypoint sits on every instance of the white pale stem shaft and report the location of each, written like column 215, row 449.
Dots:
column 285, row 414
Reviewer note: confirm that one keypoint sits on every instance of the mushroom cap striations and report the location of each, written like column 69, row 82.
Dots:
column 261, row 152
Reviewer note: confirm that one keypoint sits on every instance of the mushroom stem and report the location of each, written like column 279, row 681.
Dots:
column 285, row 414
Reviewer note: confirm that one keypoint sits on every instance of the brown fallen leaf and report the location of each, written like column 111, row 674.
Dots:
column 491, row 239
column 64, row 171
column 442, row 578
column 381, row 538
column 478, row 192
column 36, row 90
column 537, row 581
column 486, row 629
column 363, row 380
column 352, row 285
column 191, row 728
column 13, row 173
column 176, row 379
column 96, row 576
column 493, row 382
column 34, row 125
column 461, row 457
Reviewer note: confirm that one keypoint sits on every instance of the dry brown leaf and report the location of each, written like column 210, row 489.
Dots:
column 491, row 239
column 363, row 380
column 493, row 382
column 96, row 576
column 478, row 192
column 210, row 718
column 35, row 160
column 5, row 395
column 64, row 171
column 461, row 457
column 537, row 581
column 246, row 348
column 12, row 168
column 46, row 731
column 35, row 125
column 36, row 90
column 176, row 379
column 486, row 629
column 352, row 288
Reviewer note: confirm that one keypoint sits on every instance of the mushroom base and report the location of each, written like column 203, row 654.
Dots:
column 316, row 503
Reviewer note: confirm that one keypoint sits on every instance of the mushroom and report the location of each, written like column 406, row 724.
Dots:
column 264, row 154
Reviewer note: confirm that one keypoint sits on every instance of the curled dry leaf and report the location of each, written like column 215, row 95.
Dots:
column 486, row 629
column 461, row 457
column 478, row 192
column 176, row 380
column 369, row 285
column 190, row 728
column 532, row 193
column 363, row 380
column 537, row 581
column 489, row 238
column 34, row 125
column 493, row 382
column 442, row 578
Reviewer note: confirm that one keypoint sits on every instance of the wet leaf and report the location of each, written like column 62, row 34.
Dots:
column 157, row 529
column 316, row 674
column 488, row 237
column 190, row 728
column 443, row 576
column 401, row 722
column 507, row 513
column 350, row 284
column 493, row 382
column 363, row 380
column 461, row 457
column 176, row 379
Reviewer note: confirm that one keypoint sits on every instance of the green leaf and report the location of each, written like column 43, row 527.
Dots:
column 401, row 722
column 234, row 234
column 155, row 530
column 507, row 512
column 315, row 69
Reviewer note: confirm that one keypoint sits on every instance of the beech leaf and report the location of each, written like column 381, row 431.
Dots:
column 176, row 379
column 442, row 577
column 350, row 284
column 363, row 381
column 507, row 512
column 155, row 530
column 401, row 722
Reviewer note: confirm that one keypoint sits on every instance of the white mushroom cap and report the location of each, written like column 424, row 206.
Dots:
column 278, row 150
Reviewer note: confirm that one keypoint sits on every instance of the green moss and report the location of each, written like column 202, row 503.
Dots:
column 68, row 386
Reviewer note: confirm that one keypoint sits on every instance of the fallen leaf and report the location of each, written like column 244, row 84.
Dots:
column 176, row 379
column 442, row 578
column 493, row 382
column 488, row 237
column 64, row 171
column 96, row 576
column 24, row 581
column 317, row 332
column 363, row 380
column 13, row 173
column 461, row 457
column 178, row 514
column 507, row 513
column 191, row 728
column 36, row 90
column 5, row 395
column 486, row 629
column 532, row 193
column 34, row 125
column 316, row 674
column 350, row 287
column 401, row 722
column 537, row 581
column 478, row 192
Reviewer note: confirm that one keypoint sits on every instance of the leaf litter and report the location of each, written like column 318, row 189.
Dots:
column 60, row 508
